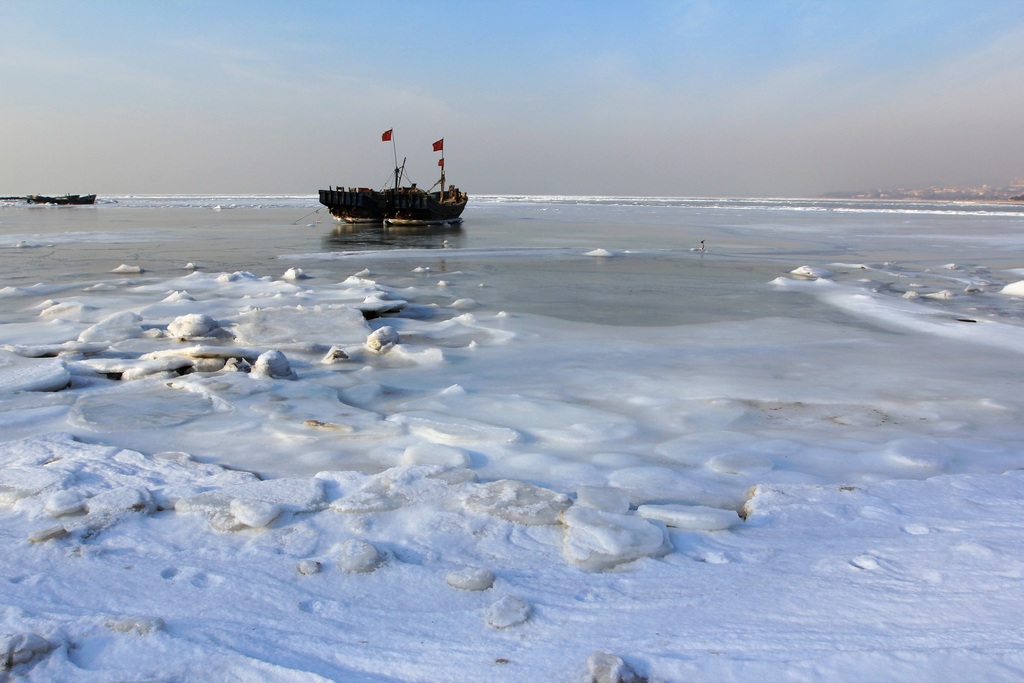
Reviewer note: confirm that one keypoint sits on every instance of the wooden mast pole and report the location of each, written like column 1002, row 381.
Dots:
column 394, row 150
column 442, row 169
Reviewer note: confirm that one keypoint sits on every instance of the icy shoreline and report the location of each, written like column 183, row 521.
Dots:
column 448, row 490
column 894, row 580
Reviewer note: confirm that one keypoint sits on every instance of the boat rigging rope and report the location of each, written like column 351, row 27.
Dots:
column 308, row 214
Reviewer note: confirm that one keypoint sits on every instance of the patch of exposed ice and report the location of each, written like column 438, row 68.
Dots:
column 470, row 578
column 359, row 557
column 517, row 501
column 595, row 540
column 690, row 517
column 507, row 612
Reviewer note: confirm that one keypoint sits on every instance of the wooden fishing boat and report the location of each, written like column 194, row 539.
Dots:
column 62, row 200
column 398, row 205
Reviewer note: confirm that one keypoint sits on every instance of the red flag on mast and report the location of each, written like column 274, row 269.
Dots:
column 439, row 145
column 386, row 137
column 440, row 162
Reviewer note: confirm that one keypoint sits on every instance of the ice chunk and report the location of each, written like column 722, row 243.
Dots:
column 62, row 310
column 507, row 612
column 1014, row 288
column 690, row 517
column 193, row 325
column 599, row 252
column 22, row 648
column 604, row 667
column 125, row 268
column 470, row 578
column 359, row 557
column 273, row 364
column 63, row 503
column 379, row 303
column 335, row 354
column 294, row 274
column 425, row 453
column 383, row 339
column 47, row 533
column 254, row 513
column 30, row 374
column 132, row 369
column 209, row 364
column 517, row 501
column 117, row 327
column 443, row 429
column 811, row 272
column 176, row 296
column 596, row 540
column 291, row 494
column 308, row 567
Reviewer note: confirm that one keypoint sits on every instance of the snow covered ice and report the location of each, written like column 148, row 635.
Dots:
column 561, row 443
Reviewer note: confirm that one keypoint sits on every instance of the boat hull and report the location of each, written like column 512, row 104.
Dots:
column 354, row 205
column 412, row 206
column 64, row 200
column 405, row 206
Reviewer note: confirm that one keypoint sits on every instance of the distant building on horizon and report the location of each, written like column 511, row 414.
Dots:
column 1012, row 191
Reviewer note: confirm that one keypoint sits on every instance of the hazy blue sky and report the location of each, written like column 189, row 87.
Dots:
column 688, row 98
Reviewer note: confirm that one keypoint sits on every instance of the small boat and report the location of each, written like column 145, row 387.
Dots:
column 398, row 205
column 63, row 200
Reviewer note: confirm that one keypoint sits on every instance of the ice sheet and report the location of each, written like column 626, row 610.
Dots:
column 562, row 405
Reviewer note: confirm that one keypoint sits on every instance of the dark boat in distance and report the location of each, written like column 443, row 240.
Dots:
column 398, row 205
column 63, row 200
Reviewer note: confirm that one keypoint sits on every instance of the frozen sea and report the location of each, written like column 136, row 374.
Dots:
column 573, row 439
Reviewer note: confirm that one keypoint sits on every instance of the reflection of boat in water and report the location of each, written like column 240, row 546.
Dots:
column 369, row 237
column 398, row 205
column 63, row 200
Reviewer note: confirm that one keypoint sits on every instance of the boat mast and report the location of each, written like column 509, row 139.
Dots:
column 439, row 147
column 394, row 150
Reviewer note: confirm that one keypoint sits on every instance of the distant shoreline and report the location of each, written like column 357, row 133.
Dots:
column 1017, row 200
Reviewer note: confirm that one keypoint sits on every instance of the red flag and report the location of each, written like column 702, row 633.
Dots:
column 439, row 145
column 440, row 162
column 386, row 137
